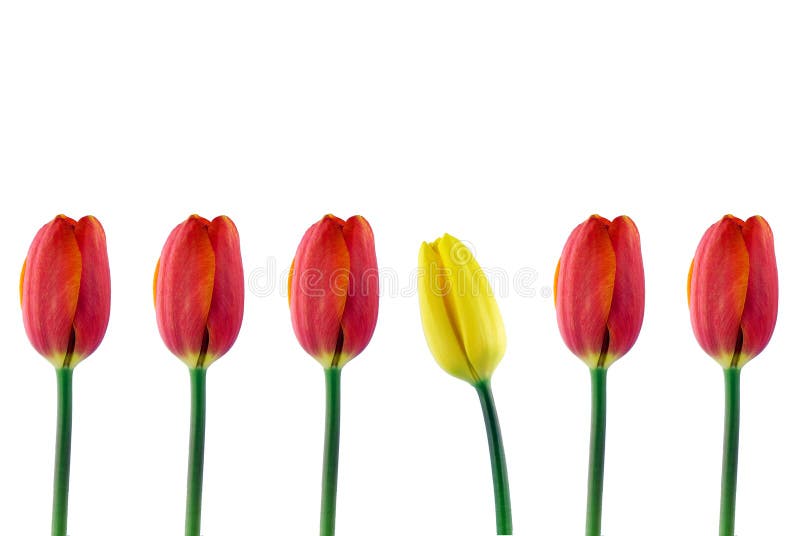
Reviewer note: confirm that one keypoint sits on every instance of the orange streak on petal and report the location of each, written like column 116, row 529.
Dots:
column 50, row 288
column 22, row 279
column 289, row 282
column 555, row 282
column 155, row 280
column 718, row 287
column 184, row 287
column 585, row 287
column 319, row 287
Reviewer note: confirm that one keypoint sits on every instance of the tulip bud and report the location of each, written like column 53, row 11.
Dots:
column 65, row 290
column 460, row 317
column 599, row 290
column 198, row 290
column 333, row 289
column 733, row 290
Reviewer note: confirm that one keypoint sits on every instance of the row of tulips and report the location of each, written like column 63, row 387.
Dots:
column 198, row 291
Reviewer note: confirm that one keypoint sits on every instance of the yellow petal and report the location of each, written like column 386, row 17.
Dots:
column 439, row 329
column 472, row 307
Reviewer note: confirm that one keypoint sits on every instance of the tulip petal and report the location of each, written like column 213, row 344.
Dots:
column 94, row 301
column 555, row 282
column 184, row 287
column 289, row 278
column 718, row 288
column 22, row 279
column 439, row 327
column 50, row 288
column 155, row 280
column 585, row 288
column 361, row 308
column 761, row 306
column 227, row 301
column 472, row 307
column 319, row 288
column 627, row 304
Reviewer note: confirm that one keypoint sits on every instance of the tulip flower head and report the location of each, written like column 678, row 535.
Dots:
column 460, row 317
column 733, row 290
column 599, row 290
column 65, row 290
column 198, row 290
column 333, row 289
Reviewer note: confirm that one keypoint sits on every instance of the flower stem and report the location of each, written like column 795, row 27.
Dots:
column 330, row 461
column 502, row 497
column 597, row 450
column 63, row 447
column 730, row 457
column 197, row 437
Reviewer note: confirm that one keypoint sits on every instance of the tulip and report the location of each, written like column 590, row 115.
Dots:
column 599, row 290
column 733, row 290
column 333, row 302
column 733, row 306
column 460, row 317
column 466, row 336
column 198, row 290
column 333, row 289
column 65, row 292
column 599, row 297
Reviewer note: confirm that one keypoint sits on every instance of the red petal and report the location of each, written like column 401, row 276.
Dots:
column 227, row 301
column 94, row 300
column 585, row 287
column 361, row 309
column 50, row 287
column 718, row 287
column 319, row 288
column 627, row 305
column 761, row 306
column 184, row 285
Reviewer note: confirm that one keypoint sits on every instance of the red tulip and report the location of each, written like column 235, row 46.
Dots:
column 599, row 290
column 333, row 289
column 733, row 290
column 198, row 289
column 65, row 290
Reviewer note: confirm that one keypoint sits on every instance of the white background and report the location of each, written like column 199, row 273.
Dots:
column 503, row 123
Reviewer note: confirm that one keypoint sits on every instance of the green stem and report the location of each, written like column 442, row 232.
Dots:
column 63, row 447
column 730, row 459
column 197, row 437
column 502, row 497
column 330, row 461
column 597, row 451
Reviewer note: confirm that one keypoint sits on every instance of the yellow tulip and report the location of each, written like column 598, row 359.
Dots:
column 466, row 335
column 460, row 316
